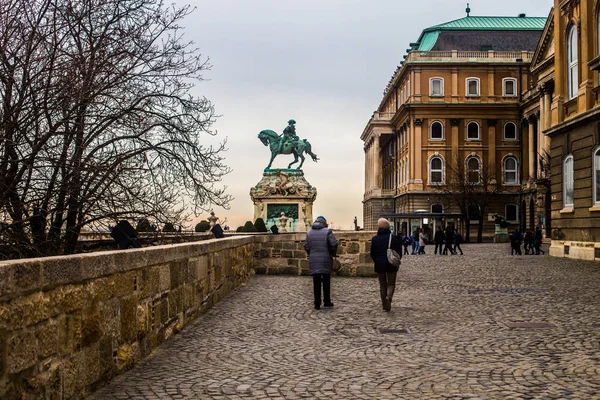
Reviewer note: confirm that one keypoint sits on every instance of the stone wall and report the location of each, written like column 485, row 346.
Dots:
column 68, row 324
column 284, row 254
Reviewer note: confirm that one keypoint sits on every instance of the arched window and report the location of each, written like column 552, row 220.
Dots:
column 472, row 131
column 568, row 183
column 596, row 176
column 473, row 170
column 511, row 212
column 509, row 87
column 510, row 131
column 572, row 80
column 436, row 170
column 511, row 176
column 436, row 130
column 472, row 87
column 436, row 87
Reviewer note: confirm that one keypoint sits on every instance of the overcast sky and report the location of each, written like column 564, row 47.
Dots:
column 323, row 63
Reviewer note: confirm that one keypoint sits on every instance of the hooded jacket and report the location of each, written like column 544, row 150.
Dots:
column 379, row 246
column 318, row 241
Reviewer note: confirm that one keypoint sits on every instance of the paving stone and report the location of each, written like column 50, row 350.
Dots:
column 448, row 336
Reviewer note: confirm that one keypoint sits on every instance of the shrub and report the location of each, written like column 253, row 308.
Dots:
column 240, row 229
column 168, row 227
column 249, row 227
column 260, row 226
column 202, row 226
column 143, row 225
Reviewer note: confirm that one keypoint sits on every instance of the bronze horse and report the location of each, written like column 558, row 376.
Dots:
column 297, row 148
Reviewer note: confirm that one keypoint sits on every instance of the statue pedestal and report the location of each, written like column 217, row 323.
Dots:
column 287, row 191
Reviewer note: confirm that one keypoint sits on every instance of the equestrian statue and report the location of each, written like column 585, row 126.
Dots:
column 288, row 143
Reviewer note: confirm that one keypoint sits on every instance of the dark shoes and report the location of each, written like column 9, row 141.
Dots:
column 326, row 305
column 387, row 304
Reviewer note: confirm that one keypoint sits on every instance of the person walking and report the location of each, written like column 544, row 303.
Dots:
column 415, row 241
column 321, row 246
column 449, row 235
column 457, row 241
column 422, row 239
column 386, row 272
column 537, row 243
column 405, row 243
column 515, row 242
column 439, row 239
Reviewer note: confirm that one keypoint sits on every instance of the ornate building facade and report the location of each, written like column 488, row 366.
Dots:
column 451, row 113
column 572, row 123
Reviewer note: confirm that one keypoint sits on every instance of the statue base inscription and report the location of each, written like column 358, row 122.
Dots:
column 284, row 198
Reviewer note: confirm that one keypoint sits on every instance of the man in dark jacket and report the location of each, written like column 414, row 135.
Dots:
column 386, row 272
column 457, row 241
column 321, row 246
column 515, row 242
column 537, row 243
column 438, row 239
column 449, row 234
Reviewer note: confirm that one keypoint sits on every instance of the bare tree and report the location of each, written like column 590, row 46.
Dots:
column 98, row 122
column 471, row 186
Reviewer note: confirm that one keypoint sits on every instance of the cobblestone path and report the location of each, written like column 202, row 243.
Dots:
column 456, row 330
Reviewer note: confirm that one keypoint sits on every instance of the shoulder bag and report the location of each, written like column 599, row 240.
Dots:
column 392, row 256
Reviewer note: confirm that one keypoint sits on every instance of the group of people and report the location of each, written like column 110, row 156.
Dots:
column 321, row 246
column 446, row 241
column 531, row 240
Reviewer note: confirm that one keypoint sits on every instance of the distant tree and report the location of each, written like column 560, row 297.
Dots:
column 249, row 227
column 260, row 225
column 202, row 226
column 471, row 190
column 143, row 225
column 240, row 229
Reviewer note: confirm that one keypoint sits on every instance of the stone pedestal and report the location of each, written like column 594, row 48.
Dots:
column 287, row 191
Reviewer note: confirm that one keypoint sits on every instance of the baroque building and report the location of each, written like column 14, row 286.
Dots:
column 447, row 143
column 571, row 114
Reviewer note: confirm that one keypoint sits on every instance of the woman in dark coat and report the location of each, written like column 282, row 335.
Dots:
column 386, row 272
column 321, row 246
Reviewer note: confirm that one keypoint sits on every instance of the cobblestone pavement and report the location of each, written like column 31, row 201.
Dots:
column 451, row 334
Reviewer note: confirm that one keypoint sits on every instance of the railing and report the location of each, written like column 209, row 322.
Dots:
column 382, row 116
column 454, row 54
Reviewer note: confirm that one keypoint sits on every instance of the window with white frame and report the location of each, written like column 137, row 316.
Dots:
column 436, row 130
column 473, row 170
column 568, row 182
column 510, row 131
column 509, row 87
column 511, row 212
column 511, row 166
column 436, row 87
column 436, row 170
column 596, row 177
column 472, row 131
column 572, row 58
column 472, row 86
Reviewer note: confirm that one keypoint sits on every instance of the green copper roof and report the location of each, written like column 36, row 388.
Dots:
column 428, row 40
column 430, row 35
column 494, row 23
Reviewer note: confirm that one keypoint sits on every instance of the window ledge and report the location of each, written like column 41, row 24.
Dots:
column 511, row 184
column 567, row 211
column 594, row 208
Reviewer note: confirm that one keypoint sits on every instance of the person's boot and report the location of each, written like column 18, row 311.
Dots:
column 387, row 304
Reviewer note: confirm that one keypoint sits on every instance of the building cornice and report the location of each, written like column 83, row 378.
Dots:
column 579, row 119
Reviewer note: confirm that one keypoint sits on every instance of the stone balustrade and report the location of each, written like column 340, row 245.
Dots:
column 68, row 324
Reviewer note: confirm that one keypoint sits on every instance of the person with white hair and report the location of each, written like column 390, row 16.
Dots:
column 321, row 246
column 386, row 272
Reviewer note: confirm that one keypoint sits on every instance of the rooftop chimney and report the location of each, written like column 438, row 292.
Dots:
column 522, row 15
